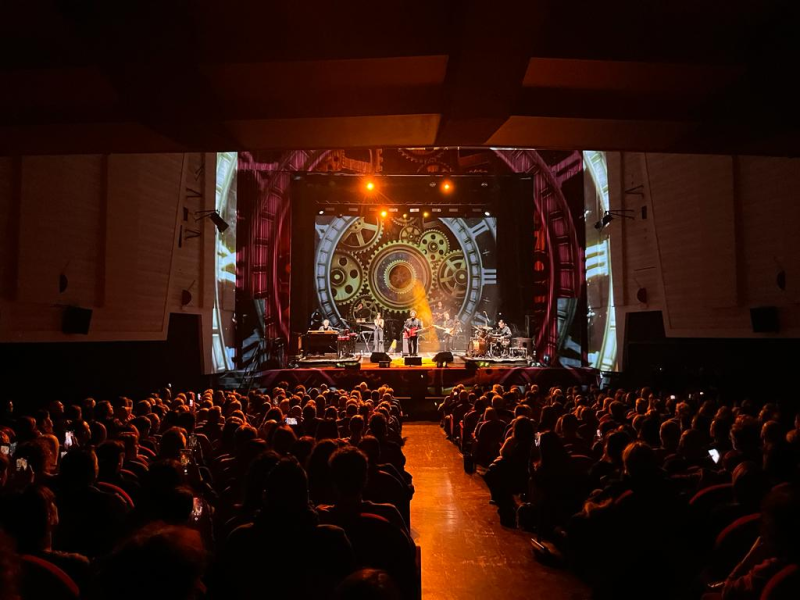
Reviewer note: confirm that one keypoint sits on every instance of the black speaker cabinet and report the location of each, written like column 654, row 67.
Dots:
column 413, row 361
column 76, row 320
column 378, row 357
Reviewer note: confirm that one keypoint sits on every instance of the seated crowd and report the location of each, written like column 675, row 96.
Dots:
column 297, row 494
column 643, row 496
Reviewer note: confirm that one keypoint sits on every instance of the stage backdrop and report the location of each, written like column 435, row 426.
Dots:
column 530, row 248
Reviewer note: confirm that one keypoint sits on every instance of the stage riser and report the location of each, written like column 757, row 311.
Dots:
column 424, row 382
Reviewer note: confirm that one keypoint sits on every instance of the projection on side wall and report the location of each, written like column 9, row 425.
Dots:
column 223, row 335
column 601, row 322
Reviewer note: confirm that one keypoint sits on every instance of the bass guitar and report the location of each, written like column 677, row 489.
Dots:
column 410, row 332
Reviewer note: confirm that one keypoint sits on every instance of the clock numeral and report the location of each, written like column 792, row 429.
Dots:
column 480, row 228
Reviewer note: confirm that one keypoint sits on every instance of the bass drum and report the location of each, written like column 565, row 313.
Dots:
column 477, row 347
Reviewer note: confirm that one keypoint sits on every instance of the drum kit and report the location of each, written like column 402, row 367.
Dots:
column 485, row 344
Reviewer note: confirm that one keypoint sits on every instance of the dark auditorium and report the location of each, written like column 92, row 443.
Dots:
column 446, row 300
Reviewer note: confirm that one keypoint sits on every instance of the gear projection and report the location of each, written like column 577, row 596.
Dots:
column 393, row 264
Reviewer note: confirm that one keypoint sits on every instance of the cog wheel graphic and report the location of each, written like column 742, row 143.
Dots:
column 368, row 303
column 420, row 155
column 410, row 233
column 399, row 276
column 434, row 244
column 346, row 277
column 363, row 234
column 403, row 221
column 452, row 275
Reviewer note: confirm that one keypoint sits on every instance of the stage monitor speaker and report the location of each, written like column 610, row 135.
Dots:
column 76, row 320
column 377, row 357
column 385, row 364
column 765, row 319
column 412, row 361
column 352, row 366
column 443, row 358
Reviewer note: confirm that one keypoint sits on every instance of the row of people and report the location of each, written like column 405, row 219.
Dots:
column 200, row 495
column 632, row 485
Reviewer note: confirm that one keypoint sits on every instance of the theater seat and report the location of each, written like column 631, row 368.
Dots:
column 733, row 543
column 784, row 585
column 704, row 501
column 117, row 491
column 42, row 579
column 488, row 437
column 582, row 463
column 624, row 499
column 380, row 545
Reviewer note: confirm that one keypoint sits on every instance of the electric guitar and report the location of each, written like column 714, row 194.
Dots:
column 447, row 330
column 410, row 332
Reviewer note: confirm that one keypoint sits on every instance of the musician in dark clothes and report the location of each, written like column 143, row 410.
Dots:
column 410, row 331
column 448, row 330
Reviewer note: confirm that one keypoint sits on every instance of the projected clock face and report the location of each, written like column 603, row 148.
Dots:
column 393, row 264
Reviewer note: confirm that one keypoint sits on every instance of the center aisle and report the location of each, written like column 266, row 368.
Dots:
column 465, row 551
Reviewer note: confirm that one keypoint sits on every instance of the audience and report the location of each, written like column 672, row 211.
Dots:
column 303, row 492
column 612, row 477
column 219, row 494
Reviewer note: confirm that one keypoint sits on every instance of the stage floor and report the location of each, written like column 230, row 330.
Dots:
column 426, row 380
column 398, row 362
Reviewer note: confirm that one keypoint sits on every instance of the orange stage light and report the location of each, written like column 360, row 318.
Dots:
column 447, row 187
column 370, row 185
column 384, row 213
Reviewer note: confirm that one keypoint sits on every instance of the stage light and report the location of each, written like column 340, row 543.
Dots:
column 370, row 185
column 322, row 212
column 405, row 215
column 214, row 217
column 488, row 214
column 384, row 213
column 447, row 187
column 413, row 210
column 609, row 216
column 426, row 214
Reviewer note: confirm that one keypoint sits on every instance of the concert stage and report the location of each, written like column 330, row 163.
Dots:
column 426, row 380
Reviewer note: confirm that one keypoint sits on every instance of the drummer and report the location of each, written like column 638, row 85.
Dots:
column 502, row 331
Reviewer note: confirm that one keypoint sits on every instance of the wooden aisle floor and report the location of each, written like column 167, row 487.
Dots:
column 466, row 553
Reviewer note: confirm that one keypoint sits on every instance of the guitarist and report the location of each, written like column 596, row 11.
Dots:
column 448, row 329
column 410, row 331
